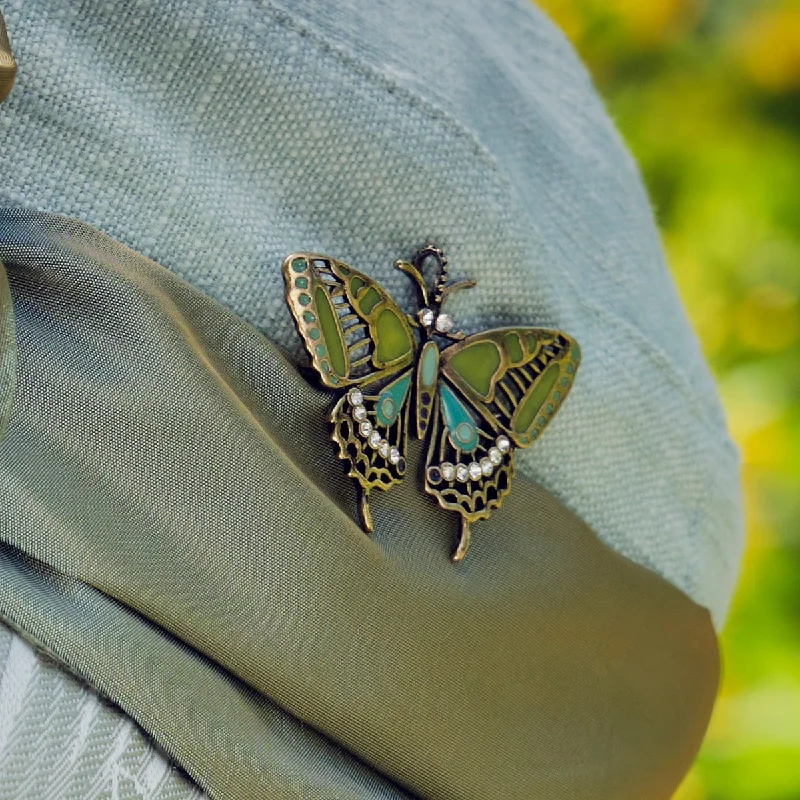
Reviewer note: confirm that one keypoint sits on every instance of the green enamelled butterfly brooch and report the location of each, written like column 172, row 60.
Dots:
column 476, row 398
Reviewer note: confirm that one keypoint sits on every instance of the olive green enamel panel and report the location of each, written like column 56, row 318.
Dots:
column 331, row 332
column 477, row 365
column 513, row 347
column 394, row 341
column 367, row 300
column 534, row 399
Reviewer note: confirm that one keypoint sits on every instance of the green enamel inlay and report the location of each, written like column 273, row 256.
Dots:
column 477, row 364
column 576, row 353
column 391, row 400
column 368, row 301
column 314, row 333
column 534, row 399
column 570, row 368
column 333, row 379
column 542, row 421
column 459, row 421
column 322, row 350
column 356, row 283
column 345, row 270
column 299, row 265
column 513, row 347
column 331, row 332
column 309, row 316
column 429, row 364
column 304, row 299
column 393, row 339
column 301, row 282
column 325, row 366
column 557, row 396
column 550, row 408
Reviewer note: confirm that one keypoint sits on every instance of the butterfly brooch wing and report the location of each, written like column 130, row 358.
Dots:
column 359, row 340
column 497, row 391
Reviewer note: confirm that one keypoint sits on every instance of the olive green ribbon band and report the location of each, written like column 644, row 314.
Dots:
column 177, row 531
column 8, row 66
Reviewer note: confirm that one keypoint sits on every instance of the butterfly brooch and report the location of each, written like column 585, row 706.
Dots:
column 476, row 398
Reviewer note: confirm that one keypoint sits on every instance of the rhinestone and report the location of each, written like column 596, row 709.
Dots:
column 359, row 413
column 475, row 470
column 374, row 440
column 394, row 455
column 355, row 397
column 365, row 427
column 383, row 448
column 495, row 456
column 434, row 475
column 426, row 317
column 444, row 323
column 448, row 471
column 462, row 473
column 503, row 444
column 486, row 467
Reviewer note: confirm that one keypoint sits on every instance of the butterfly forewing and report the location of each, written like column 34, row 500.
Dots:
column 351, row 327
column 370, row 426
column 515, row 378
column 469, row 466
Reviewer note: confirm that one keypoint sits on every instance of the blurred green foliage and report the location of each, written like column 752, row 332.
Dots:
column 707, row 95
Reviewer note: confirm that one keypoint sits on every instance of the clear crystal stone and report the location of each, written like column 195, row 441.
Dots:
column 383, row 448
column 394, row 455
column 365, row 427
column 475, row 470
column 355, row 397
column 374, row 440
column 359, row 413
column 503, row 444
column 486, row 467
column 426, row 317
column 462, row 473
column 444, row 323
column 495, row 456
column 448, row 471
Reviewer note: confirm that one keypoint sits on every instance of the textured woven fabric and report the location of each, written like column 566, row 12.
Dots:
column 216, row 137
column 58, row 741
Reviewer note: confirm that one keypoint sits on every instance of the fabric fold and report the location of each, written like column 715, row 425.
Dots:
column 178, row 531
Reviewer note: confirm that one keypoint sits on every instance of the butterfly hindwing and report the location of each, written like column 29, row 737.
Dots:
column 469, row 462
column 515, row 378
column 370, row 426
column 351, row 327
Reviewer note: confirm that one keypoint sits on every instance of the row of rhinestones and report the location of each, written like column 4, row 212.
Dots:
column 366, row 429
column 475, row 469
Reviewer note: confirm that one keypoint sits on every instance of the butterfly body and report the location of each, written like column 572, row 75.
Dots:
column 473, row 398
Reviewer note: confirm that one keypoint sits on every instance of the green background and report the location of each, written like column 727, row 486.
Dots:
column 707, row 95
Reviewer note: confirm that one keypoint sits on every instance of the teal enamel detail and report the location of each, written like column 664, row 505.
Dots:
column 299, row 265
column 309, row 316
column 459, row 421
column 391, row 400
column 301, row 283
column 429, row 364
column 314, row 333
column 304, row 299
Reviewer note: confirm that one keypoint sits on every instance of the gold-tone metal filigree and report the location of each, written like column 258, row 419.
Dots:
column 476, row 399
column 8, row 66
